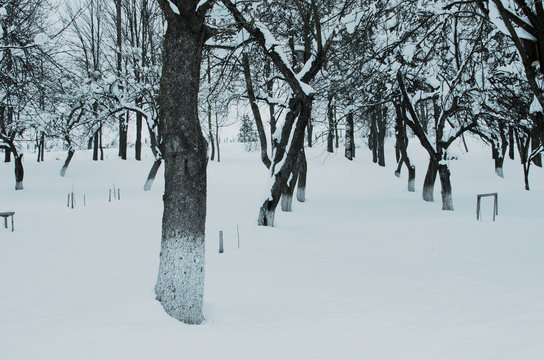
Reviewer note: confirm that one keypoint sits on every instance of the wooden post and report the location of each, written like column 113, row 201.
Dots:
column 118, row 194
column 238, row 234
column 72, row 200
column 68, row 201
column 478, row 198
column 110, row 196
column 221, row 250
column 12, row 222
column 84, row 200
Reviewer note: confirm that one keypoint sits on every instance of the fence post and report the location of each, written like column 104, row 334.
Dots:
column 221, row 250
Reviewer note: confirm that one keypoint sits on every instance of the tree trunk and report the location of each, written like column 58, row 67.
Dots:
column 152, row 174
column 382, row 122
column 138, row 144
column 217, row 137
column 511, row 141
column 256, row 112
column 411, row 178
column 350, row 146
column 123, row 121
column 19, row 171
column 310, row 132
column 95, row 146
column 281, row 176
column 302, row 173
column 447, row 200
column 330, row 117
column 430, row 178
column 210, row 132
column 526, row 168
column 100, row 142
column 288, row 191
column 180, row 282
column 373, row 137
column 535, row 143
column 67, row 161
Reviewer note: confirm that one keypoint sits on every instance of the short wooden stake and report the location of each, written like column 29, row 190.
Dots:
column 238, row 234
column 221, row 250
column 72, row 200
column 84, row 200
column 68, row 201
column 110, row 196
column 118, row 194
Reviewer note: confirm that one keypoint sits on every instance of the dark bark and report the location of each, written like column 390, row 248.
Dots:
column 302, row 173
column 373, row 137
column 300, row 112
column 95, row 146
column 210, row 132
column 381, row 127
column 511, row 141
column 430, row 179
column 310, row 131
column 535, row 143
column 67, row 161
column 330, row 117
column 402, row 146
column 19, row 171
column 152, row 174
column 217, row 140
column 256, row 112
column 349, row 137
column 180, row 282
column 447, row 200
column 138, row 144
column 123, row 140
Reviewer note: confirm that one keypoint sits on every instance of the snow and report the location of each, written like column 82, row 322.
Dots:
column 41, row 39
column 535, row 106
column 363, row 269
column 174, row 7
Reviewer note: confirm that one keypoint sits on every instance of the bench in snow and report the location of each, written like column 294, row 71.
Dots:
column 5, row 215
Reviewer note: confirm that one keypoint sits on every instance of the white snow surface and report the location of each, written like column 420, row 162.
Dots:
column 362, row 270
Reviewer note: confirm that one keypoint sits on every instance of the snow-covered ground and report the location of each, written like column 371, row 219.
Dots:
column 362, row 270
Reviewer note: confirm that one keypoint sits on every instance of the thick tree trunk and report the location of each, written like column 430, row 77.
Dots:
column 7, row 155
column 100, row 142
column 19, row 172
column 430, row 179
column 152, row 173
column 447, row 200
column 288, row 191
column 67, row 161
column 180, row 282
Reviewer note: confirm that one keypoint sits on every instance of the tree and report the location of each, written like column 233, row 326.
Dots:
column 180, row 282
column 247, row 134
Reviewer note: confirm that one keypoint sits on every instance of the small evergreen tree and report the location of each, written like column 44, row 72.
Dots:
column 248, row 133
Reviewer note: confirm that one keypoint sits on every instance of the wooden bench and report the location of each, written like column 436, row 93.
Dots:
column 5, row 215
